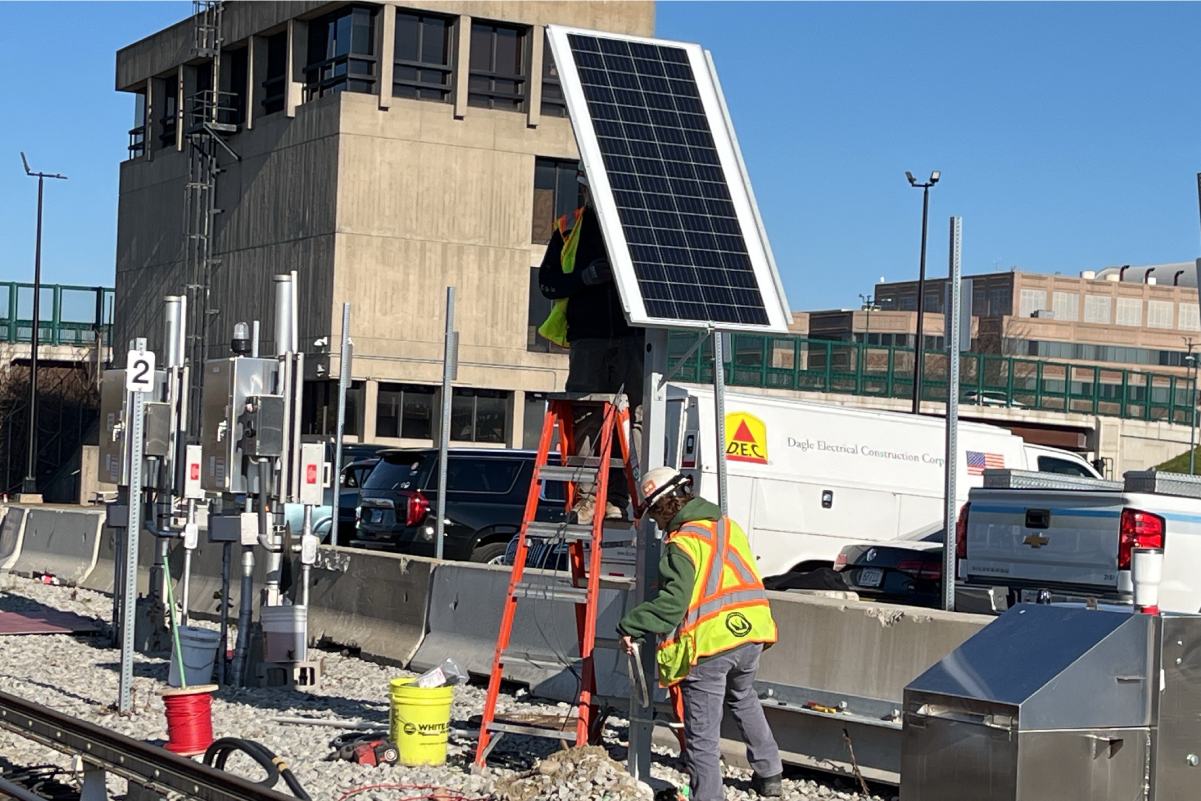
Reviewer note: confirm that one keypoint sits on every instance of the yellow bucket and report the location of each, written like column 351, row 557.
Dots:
column 420, row 722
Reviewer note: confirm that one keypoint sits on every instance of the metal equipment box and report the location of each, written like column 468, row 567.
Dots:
column 1047, row 703
column 228, row 386
column 114, row 425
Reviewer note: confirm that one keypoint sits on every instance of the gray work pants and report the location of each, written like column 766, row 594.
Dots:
column 607, row 365
column 725, row 680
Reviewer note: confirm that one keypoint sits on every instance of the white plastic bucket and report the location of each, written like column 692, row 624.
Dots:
column 285, row 633
column 199, row 649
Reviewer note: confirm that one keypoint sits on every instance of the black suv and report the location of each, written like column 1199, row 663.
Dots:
column 486, row 492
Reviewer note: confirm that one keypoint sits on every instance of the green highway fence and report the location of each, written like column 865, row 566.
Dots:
column 853, row 368
column 68, row 315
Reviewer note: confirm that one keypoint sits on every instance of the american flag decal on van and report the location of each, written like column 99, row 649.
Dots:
column 978, row 462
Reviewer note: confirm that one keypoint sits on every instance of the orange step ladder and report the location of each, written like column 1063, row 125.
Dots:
column 584, row 588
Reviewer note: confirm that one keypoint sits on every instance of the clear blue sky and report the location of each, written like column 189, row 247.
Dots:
column 1067, row 134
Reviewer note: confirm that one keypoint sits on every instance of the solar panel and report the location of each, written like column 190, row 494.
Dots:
column 683, row 233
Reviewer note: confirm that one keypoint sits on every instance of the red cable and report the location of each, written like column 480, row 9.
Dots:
column 441, row 793
column 189, row 723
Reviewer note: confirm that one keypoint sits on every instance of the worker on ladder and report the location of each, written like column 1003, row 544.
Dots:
column 606, row 353
column 713, row 617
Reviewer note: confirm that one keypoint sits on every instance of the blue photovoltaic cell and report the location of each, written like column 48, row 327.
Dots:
column 685, row 240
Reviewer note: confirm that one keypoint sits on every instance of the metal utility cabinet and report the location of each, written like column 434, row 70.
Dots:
column 1059, row 703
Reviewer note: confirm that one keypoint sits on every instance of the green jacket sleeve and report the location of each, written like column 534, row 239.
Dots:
column 664, row 612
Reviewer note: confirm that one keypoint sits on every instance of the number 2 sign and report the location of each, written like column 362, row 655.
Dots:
column 139, row 371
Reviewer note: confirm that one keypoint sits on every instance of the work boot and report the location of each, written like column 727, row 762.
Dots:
column 768, row 786
column 614, row 512
column 583, row 511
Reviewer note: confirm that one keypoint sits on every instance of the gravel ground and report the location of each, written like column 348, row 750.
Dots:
column 78, row 675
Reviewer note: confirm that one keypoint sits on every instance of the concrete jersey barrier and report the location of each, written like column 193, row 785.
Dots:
column 12, row 529
column 63, row 542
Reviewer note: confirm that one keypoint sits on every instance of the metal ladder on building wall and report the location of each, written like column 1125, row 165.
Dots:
column 584, row 588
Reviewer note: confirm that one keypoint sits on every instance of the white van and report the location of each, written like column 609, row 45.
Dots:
column 805, row 479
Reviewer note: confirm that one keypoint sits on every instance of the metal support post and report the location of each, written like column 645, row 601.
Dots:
column 649, row 545
column 448, row 368
column 308, row 553
column 130, row 562
column 340, row 432
column 951, row 465
column 719, row 407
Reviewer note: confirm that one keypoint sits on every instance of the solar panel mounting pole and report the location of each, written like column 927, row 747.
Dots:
column 649, row 544
column 719, row 408
column 951, row 464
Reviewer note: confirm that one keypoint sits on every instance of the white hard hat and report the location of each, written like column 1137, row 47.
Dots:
column 660, row 483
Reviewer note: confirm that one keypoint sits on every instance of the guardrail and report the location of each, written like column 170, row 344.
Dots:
column 855, row 368
column 138, row 762
column 68, row 314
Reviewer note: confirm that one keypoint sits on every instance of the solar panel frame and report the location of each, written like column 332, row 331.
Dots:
column 733, row 171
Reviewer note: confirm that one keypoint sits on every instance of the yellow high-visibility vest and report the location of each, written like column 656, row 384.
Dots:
column 729, row 606
column 555, row 327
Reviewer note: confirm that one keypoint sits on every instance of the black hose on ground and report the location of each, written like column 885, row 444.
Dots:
column 219, row 752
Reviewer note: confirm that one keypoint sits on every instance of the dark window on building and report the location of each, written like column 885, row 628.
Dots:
column 553, row 103
column 423, row 57
column 341, row 53
column 908, row 303
column 169, row 122
column 479, row 415
column 277, row 73
column 319, row 410
column 233, row 102
column 405, row 410
column 556, row 193
column 499, row 66
column 137, row 134
column 934, row 301
column 539, row 309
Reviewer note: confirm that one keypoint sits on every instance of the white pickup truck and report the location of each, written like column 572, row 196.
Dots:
column 1025, row 537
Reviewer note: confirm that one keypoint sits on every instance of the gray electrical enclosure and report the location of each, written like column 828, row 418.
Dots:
column 230, row 385
column 114, row 425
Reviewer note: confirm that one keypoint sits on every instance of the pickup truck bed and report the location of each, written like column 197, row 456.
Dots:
column 1027, row 533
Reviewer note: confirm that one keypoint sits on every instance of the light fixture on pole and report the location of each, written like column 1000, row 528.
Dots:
column 30, row 483
column 921, row 288
column 869, row 306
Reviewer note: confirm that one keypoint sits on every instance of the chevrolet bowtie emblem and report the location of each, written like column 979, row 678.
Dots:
column 1035, row 540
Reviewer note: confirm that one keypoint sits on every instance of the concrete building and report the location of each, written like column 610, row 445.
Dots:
column 384, row 151
column 1136, row 317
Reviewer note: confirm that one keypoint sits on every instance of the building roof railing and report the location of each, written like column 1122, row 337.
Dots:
column 798, row 363
column 68, row 314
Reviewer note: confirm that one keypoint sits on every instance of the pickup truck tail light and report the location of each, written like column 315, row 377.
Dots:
column 961, row 537
column 1138, row 530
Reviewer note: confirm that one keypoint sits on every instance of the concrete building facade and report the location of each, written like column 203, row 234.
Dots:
column 1114, row 318
column 384, row 151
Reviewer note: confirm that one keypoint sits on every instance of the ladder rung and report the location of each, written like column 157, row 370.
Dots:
column 553, row 472
column 567, row 735
column 550, row 592
column 511, row 657
column 564, row 531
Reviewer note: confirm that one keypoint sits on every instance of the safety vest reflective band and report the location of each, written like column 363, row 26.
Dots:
column 555, row 326
column 729, row 606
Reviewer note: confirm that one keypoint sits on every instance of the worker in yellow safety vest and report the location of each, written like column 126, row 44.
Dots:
column 606, row 353
column 713, row 620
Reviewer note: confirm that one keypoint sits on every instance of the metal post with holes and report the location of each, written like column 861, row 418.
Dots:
column 449, row 367
column 719, row 410
column 649, row 542
column 130, row 562
column 951, row 465
column 343, row 386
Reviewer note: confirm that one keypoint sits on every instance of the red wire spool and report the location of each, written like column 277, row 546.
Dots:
column 189, row 719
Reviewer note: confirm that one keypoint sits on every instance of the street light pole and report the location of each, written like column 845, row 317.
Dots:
column 1192, row 434
column 29, row 485
column 919, row 344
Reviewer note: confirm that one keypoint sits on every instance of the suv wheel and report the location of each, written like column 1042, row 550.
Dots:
column 492, row 553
